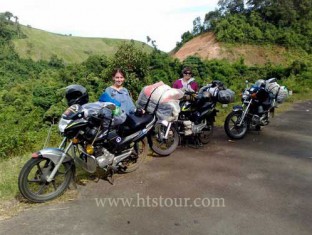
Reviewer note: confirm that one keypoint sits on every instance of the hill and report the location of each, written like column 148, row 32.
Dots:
column 41, row 45
column 206, row 46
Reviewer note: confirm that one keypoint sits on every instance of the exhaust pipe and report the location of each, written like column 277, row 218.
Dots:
column 121, row 157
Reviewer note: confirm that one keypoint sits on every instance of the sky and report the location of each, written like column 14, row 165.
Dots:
column 162, row 20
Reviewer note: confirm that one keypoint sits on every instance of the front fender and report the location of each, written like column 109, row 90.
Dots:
column 152, row 132
column 163, row 122
column 54, row 154
column 238, row 108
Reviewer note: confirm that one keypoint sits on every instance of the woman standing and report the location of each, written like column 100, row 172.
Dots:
column 187, row 82
column 120, row 93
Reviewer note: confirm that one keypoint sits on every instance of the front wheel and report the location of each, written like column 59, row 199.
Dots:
column 232, row 127
column 32, row 181
column 159, row 144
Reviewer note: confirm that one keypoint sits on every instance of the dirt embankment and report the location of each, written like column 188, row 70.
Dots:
column 206, row 46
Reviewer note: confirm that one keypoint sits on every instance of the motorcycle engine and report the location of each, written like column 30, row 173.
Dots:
column 105, row 159
column 190, row 127
column 197, row 129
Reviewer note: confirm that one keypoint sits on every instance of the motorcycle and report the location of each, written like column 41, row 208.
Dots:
column 161, row 101
column 92, row 140
column 196, row 119
column 258, row 106
column 198, row 112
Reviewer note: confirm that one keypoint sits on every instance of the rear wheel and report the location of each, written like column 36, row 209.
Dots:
column 32, row 180
column 232, row 127
column 159, row 144
column 136, row 158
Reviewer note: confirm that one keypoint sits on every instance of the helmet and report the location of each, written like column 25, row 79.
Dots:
column 76, row 94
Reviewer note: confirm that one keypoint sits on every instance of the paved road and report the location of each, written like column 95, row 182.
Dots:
column 258, row 185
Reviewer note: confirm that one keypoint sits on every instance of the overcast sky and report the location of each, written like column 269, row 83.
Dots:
column 162, row 20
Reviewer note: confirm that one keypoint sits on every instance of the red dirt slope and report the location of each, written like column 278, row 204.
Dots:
column 205, row 46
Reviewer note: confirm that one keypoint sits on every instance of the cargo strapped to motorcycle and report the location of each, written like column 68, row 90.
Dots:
column 149, row 98
column 277, row 93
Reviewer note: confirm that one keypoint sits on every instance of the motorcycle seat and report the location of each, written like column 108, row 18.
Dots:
column 134, row 122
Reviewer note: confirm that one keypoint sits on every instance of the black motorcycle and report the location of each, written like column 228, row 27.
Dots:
column 198, row 111
column 258, row 105
column 196, row 119
column 91, row 139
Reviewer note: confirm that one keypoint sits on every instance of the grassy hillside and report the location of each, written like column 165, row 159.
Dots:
column 205, row 46
column 41, row 45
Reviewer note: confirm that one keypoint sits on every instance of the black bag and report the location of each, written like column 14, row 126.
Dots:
column 226, row 96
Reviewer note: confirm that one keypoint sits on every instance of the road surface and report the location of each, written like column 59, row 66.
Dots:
column 261, row 184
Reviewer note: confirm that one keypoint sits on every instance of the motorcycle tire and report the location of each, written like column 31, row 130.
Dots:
column 206, row 134
column 32, row 180
column 163, row 147
column 230, row 126
column 137, row 158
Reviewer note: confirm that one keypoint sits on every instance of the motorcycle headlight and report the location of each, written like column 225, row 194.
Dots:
column 245, row 95
column 63, row 124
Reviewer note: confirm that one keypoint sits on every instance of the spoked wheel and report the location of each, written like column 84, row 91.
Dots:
column 206, row 134
column 32, row 180
column 136, row 158
column 232, row 127
column 159, row 144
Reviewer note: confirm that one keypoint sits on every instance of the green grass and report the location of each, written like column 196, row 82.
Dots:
column 11, row 201
column 10, row 169
column 262, row 54
column 41, row 45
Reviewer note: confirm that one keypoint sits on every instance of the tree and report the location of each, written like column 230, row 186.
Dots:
column 257, row 4
column 134, row 62
column 231, row 6
column 148, row 39
column 210, row 20
column 56, row 62
column 8, row 15
column 197, row 26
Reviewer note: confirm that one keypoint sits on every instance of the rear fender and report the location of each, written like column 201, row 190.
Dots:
column 54, row 154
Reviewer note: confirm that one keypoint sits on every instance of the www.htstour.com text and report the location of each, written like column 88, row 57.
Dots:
column 160, row 201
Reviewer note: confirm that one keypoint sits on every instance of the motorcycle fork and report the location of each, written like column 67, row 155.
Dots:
column 167, row 130
column 57, row 166
column 244, row 113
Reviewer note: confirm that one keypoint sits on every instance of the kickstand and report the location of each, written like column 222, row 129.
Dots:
column 97, row 176
column 110, row 176
column 72, row 183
